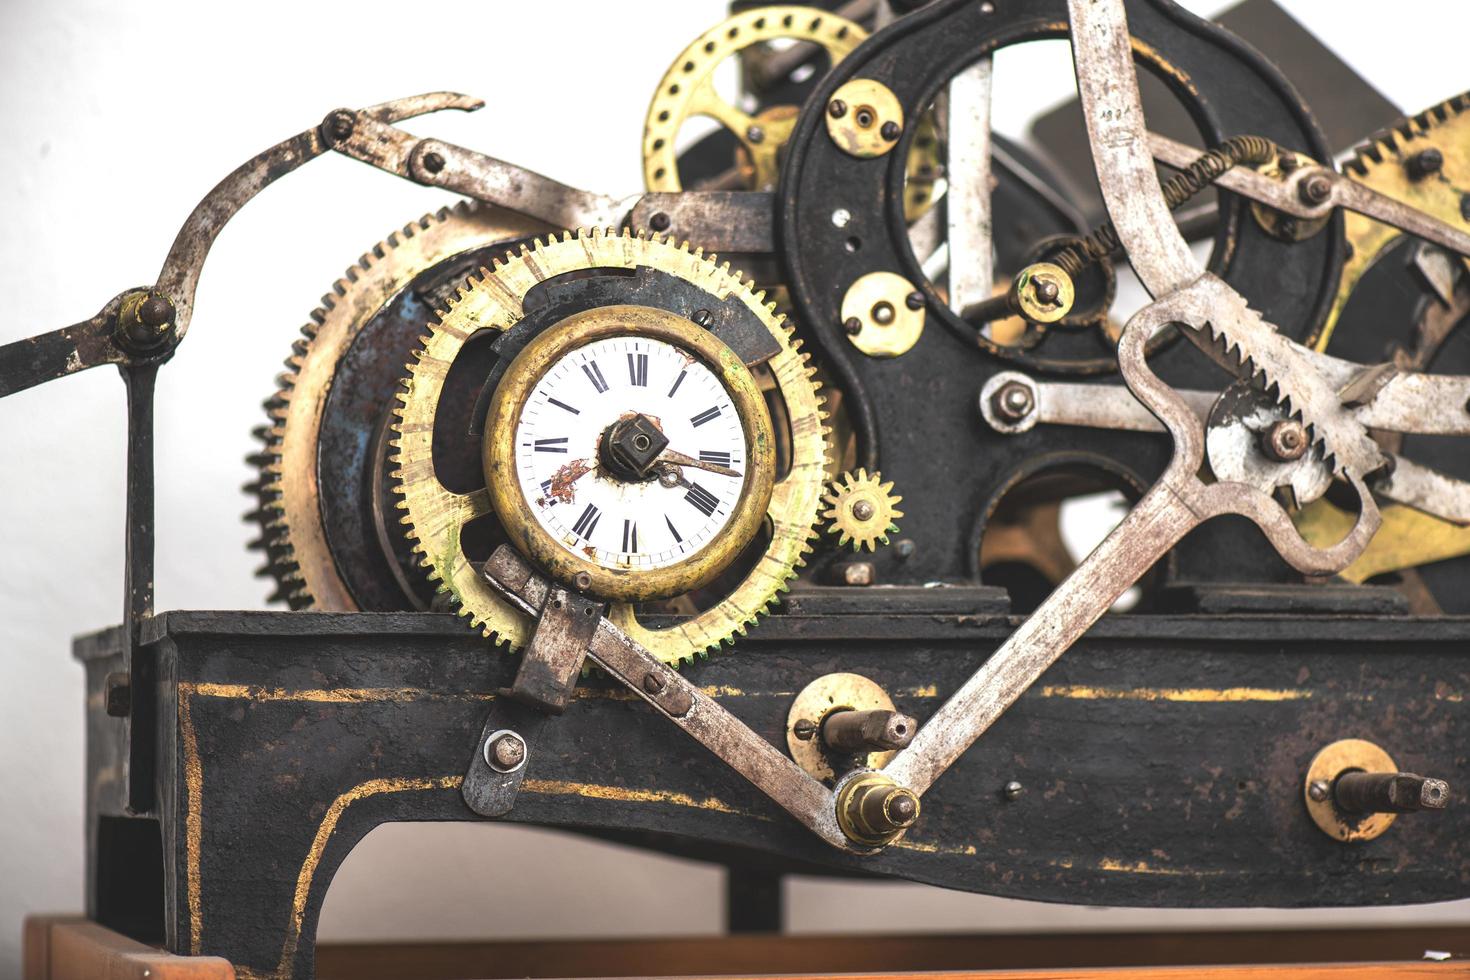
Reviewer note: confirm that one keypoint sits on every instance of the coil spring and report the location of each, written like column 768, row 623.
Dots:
column 1211, row 165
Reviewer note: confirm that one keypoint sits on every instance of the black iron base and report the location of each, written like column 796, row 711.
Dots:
column 1161, row 761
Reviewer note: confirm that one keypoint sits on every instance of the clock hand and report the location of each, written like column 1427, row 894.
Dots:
column 668, row 456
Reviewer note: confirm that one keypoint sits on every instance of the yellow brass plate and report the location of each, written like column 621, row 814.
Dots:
column 866, row 110
column 1347, row 755
column 819, row 699
column 886, row 327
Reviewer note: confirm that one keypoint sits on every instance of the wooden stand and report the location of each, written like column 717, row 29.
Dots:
column 63, row 948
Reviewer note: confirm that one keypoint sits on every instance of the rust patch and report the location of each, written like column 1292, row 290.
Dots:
column 561, row 484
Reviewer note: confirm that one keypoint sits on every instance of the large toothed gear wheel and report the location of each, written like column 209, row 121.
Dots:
column 533, row 307
column 327, row 522
column 862, row 510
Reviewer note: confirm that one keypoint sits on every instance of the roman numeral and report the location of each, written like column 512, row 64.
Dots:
column 638, row 369
column 558, row 445
column 587, row 523
column 630, row 537
column 702, row 499
column 673, row 530
column 564, row 405
column 719, row 459
column 677, row 382
column 705, row 416
column 594, row 375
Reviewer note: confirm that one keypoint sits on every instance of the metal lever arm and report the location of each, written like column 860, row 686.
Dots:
column 1311, row 192
column 685, row 705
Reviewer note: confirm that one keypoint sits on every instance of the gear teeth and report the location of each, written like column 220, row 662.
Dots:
column 275, row 538
column 567, row 252
column 861, row 510
column 1391, row 139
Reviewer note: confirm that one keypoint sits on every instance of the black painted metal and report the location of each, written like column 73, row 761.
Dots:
column 1161, row 759
column 949, row 466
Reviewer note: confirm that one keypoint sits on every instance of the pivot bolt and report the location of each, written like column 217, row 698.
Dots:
column 1315, row 189
column 883, row 313
column 1013, row 402
column 433, row 162
column 1046, row 291
column 340, row 124
column 659, row 221
column 505, row 751
column 144, row 321
column 1285, row 441
column 863, row 510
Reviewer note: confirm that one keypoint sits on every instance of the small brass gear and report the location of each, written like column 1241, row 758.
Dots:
column 495, row 301
column 861, row 509
column 289, row 499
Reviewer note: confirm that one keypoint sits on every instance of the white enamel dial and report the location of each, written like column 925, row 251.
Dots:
column 610, row 522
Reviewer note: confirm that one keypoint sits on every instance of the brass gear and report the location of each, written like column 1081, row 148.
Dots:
column 288, row 512
column 687, row 90
column 1382, row 164
column 861, row 509
column 436, row 515
column 1408, row 538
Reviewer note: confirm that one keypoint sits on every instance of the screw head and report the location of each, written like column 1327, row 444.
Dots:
column 1319, row 790
column 914, row 300
column 1315, row 189
column 1046, row 291
column 853, row 326
column 433, row 162
column 505, row 751
column 905, row 548
column 1013, row 790
column 659, row 221
column 1013, row 402
column 156, row 311
column 857, row 573
column 805, row 729
column 902, row 808
column 836, row 108
column 702, row 318
column 863, row 510
column 340, row 124
column 1285, row 441
column 1424, row 163
column 582, row 580
column 890, row 131
column 755, row 134
column 654, row 682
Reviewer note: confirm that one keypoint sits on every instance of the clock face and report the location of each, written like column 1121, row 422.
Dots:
column 618, row 522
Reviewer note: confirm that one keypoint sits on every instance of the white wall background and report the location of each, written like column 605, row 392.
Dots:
column 116, row 118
